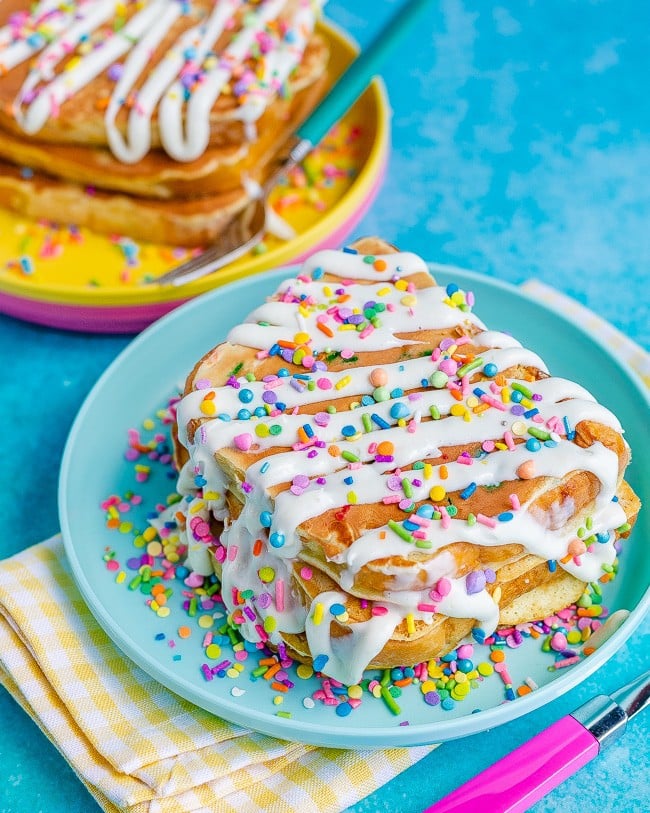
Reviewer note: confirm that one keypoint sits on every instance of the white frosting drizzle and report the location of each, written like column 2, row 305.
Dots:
column 184, row 123
column 338, row 467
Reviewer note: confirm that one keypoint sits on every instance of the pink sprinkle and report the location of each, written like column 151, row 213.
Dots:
column 244, row 441
column 379, row 609
column 490, row 522
column 427, row 608
column 443, row 586
column 514, row 502
column 279, row 595
column 509, row 440
column 566, row 662
column 233, row 550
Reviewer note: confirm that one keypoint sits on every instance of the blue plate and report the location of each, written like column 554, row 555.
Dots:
column 139, row 383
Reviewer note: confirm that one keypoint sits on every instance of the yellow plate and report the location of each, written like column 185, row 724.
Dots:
column 73, row 278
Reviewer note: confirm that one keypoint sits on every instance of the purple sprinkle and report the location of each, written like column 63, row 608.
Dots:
column 474, row 582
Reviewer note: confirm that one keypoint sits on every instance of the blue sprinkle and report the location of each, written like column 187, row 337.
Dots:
column 243, row 415
column 529, row 413
column 451, row 288
column 533, row 445
column 603, row 537
column 448, row 704
column 478, row 635
column 425, row 510
column 337, row 609
column 381, row 423
column 398, row 392
column 266, row 519
column 320, row 660
column 348, row 481
column 506, row 516
column 317, row 273
column 478, row 392
column 510, row 694
column 276, row 539
column 265, row 467
column 490, row 369
column 552, row 565
column 343, row 709
column 347, row 250
column 467, row 492
column 348, row 431
column 516, row 396
column 398, row 411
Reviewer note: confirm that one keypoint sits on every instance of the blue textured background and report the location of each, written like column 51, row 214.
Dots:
column 521, row 136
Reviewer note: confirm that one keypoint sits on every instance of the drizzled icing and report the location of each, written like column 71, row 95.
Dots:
column 182, row 87
column 337, row 463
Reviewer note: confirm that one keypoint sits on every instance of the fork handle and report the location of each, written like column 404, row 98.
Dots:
column 356, row 78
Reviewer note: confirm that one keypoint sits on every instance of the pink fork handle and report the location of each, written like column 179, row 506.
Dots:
column 523, row 777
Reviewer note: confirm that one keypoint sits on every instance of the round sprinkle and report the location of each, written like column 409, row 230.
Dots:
column 439, row 379
column 526, row 470
column 437, row 493
column 276, row 539
column 378, row 377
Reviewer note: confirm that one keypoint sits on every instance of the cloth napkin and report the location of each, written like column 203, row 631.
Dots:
column 136, row 746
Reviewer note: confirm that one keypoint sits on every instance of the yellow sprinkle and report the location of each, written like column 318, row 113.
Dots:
column 428, row 686
column 409, row 300
column 472, row 401
column 437, row 493
column 278, row 699
column 208, row 407
column 196, row 505
column 148, row 424
column 458, row 410
column 505, row 395
column 266, row 574
column 383, row 292
column 154, row 605
column 125, row 527
column 352, row 497
column 206, row 621
column 304, row 671
column 150, row 533
column 154, row 548
column 232, row 673
column 427, row 471
column 343, row 382
column 301, row 338
column 527, row 403
column 213, row 651
column 262, row 430
column 485, row 669
column 500, row 446
column 163, row 612
column 460, row 677
column 355, row 692
column 497, row 595
column 410, row 624
column 347, row 327
column 270, row 624
column 401, row 285
column 327, row 291
column 318, row 613
column 211, row 495
column 120, row 577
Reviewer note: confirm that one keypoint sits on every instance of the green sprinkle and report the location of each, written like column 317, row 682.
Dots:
column 426, row 544
column 540, row 434
column 407, row 487
column 467, row 368
column 471, row 519
column 285, row 714
column 367, row 423
column 522, row 388
column 400, row 530
column 350, row 456
column 434, row 412
column 389, row 700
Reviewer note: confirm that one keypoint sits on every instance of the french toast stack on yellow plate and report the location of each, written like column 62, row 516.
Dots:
column 373, row 474
column 151, row 118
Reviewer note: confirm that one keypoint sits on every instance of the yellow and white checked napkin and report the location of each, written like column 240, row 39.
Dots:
column 137, row 746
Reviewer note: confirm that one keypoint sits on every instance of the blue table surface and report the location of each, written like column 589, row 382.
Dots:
column 521, row 135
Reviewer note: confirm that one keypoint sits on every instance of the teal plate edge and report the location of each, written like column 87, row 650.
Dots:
column 143, row 376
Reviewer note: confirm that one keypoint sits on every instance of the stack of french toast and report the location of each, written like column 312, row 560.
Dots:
column 373, row 474
column 156, row 119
